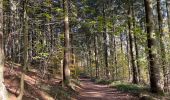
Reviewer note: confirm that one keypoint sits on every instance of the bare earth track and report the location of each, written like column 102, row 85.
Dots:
column 91, row 91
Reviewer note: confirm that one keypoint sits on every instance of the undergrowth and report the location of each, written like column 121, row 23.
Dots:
column 128, row 87
column 63, row 93
column 139, row 90
column 102, row 81
column 60, row 93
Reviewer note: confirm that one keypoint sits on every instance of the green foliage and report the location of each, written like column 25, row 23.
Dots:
column 60, row 93
column 41, row 55
column 127, row 87
column 58, row 10
column 55, row 59
column 102, row 81
column 141, row 36
column 48, row 16
column 75, row 71
column 119, row 29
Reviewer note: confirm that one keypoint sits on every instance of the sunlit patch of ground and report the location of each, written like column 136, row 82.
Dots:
column 36, row 87
column 91, row 91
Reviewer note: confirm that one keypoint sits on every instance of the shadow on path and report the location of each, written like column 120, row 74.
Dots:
column 92, row 91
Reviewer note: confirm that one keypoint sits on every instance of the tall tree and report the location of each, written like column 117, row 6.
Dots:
column 3, row 92
column 25, row 52
column 162, row 46
column 168, row 13
column 134, row 70
column 105, row 35
column 96, row 55
column 66, row 70
column 152, row 50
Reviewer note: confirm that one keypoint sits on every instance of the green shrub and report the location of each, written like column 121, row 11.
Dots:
column 102, row 81
column 127, row 87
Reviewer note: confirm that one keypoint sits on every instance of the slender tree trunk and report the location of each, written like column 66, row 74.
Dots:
column 50, row 29
column 122, row 52
column 7, row 23
column 3, row 92
column 137, row 59
column 128, row 57
column 168, row 14
column 168, row 19
column 135, row 44
column 115, row 58
column 134, row 70
column 105, row 35
column 121, row 43
column 155, row 82
column 96, row 56
column 25, row 53
column 66, row 70
column 72, row 51
column 90, row 63
column 162, row 46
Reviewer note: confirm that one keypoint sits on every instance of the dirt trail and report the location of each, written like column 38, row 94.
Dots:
column 91, row 91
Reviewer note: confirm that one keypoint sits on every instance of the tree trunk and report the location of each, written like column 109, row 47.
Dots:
column 162, row 46
column 90, row 62
column 66, row 70
column 134, row 70
column 115, row 58
column 137, row 59
column 25, row 53
column 168, row 19
column 168, row 14
column 3, row 92
column 155, row 83
column 128, row 57
column 105, row 35
column 135, row 43
column 96, row 56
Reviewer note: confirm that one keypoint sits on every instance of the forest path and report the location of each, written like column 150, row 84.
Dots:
column 92, row 91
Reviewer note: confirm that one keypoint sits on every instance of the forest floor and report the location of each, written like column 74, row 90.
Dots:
column 48, row 87
column 91, row 91
column 37, row 87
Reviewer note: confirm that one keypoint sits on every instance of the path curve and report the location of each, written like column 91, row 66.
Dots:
column 91, row 91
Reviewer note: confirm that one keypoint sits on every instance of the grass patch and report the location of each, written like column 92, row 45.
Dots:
column 127, row 87
column 138, row 90
column 102, row 81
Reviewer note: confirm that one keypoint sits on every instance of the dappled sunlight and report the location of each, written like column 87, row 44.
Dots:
column 35, row 86
column 85, row 49
column 91, row 91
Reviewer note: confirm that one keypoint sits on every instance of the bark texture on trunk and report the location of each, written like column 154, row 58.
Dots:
column 96, row 56
column 3, row 91
column 162, row 46
column 105, row 36
column 168, row 14
column 66, row 70
column 25, row 53
column 155, row 82
column 134, row 70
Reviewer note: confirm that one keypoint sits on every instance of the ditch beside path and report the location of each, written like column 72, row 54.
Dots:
column 92, row 91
